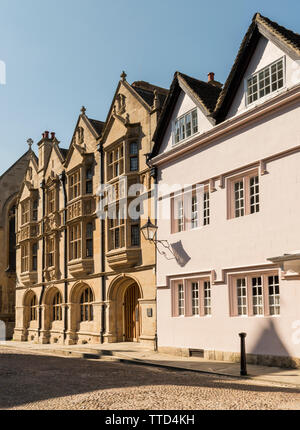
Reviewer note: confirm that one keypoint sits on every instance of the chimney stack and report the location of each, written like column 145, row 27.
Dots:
column 211, row 77
column 52, row 135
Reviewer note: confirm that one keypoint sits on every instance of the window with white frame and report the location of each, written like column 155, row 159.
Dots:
column 191, row 297
column 206, row 209
column 266, row 81
column 194, row 220
column 241, row 291
column 207, row 297
column 195, row 298
column 243, row 194
column 274, row 296
column 180, row 300
column 255, row 294
column 190, row 209
column 186, row 126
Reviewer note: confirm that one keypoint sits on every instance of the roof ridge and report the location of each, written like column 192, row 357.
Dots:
column 198, row 80
column 17, row 161
column 282, row 31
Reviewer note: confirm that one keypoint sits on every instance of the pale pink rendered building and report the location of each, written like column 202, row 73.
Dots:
column 237, row 241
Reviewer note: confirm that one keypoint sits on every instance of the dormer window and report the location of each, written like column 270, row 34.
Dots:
column 186, row 126
column 266, row 81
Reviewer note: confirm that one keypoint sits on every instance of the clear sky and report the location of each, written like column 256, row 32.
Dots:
column 62, row 54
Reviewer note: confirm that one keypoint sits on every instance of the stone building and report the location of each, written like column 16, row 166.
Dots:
column 9, row 187
column 235, row 211
column 58, row 237
column 83, row 277
column 130, row 292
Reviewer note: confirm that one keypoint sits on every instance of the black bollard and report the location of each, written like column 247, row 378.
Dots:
column 243, row 354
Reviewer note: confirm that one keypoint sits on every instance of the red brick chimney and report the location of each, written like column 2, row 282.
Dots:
column 211, row 77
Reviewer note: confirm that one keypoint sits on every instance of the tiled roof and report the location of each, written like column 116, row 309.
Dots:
column 146, row 91
column 64, row 152
column 97, row 125
column 206, row 92
column 287, row 37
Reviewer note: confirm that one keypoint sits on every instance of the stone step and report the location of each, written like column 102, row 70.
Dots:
column 86, row 353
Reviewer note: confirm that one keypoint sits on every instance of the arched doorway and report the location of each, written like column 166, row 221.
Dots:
column 123, row 310
column 131, row 313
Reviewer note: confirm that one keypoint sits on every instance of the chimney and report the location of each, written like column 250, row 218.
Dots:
column 52, row 135
column 211, row 77
column 44, row 146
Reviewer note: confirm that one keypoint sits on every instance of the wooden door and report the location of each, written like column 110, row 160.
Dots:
column 131, row 313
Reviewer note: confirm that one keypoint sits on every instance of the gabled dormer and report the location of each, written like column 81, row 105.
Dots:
column 84, row 140
column 267, row 65
column 186, row 112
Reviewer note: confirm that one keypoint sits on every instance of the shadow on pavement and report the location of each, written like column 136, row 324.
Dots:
column 27, row 378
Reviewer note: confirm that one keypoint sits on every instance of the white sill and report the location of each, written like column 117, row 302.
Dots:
column 191, row 229
column 185, row 140
column 265, row 98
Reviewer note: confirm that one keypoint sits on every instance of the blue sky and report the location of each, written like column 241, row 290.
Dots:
column 62, row 54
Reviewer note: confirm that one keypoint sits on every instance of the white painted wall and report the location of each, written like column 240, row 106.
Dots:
column 245, row 241
column 266, row 53
column 184, row 104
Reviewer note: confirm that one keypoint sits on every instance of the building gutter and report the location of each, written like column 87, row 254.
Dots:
column 62, row 178
column 102, row 251
column 43, row 258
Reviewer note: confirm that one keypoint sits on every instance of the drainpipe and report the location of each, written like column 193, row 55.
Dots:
column 153, row 174
column 102, row 251
column 42, row 186
column 62, row 178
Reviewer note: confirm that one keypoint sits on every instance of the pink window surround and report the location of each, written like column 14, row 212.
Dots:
column 247, row 191
column 251, row 298
column 203, row 310
column 189, row 209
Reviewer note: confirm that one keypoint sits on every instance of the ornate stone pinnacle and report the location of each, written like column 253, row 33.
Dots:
column 30, row 143
column 123, row 76
column 83, row 110
column 156, row 102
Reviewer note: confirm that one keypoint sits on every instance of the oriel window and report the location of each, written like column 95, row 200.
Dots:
column 89, row 239
column 35, row 210
column 34, row 256
column 74, row 185
column 75, row 242
column 133, row 154
column 89, row 180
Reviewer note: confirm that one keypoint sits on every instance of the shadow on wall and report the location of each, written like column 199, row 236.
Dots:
column 269, row 349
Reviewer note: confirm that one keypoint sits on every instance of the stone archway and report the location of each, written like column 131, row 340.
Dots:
column 52, row 323
column 124, row 310
column 30, row 316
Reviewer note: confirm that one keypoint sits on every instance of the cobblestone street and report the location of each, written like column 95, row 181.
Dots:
column 32, row 381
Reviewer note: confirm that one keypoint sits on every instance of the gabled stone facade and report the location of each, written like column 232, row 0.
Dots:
column 9, row 187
